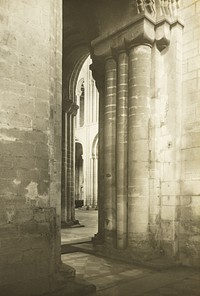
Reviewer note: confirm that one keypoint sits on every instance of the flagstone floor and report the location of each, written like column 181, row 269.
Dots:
column 115, row 278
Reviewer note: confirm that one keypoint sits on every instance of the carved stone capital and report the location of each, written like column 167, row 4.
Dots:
column 139, row 31
column 71, row 107
column 146, row 28
column 163, row 32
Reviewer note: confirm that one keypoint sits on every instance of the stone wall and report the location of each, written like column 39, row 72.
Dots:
column 30, row 87
column 174, row 141
column 165, row 139
column 190, row 192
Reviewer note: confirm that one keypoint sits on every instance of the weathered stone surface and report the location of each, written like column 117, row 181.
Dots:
column 28, row 146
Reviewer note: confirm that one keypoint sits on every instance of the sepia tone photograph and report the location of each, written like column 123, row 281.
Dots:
column 99, row 147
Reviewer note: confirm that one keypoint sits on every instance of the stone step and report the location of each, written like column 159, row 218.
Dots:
column 75, row 287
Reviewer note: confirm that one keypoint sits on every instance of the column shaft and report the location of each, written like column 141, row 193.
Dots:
column 138, row 141
column 121, row 153
column 92, row 180
column 72, row 142
column 69, row 157
column 101, row 228
column 64, row 168
column 95, row 178
column 109, row 151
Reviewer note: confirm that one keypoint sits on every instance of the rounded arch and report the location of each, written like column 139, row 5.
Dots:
column 73, row 80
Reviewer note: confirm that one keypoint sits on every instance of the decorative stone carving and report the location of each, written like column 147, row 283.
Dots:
column 146, row 5
column 169, row 7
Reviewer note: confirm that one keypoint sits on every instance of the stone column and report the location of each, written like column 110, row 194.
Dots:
column 98, row 72
column 95, row 180
column 68, row 179
column 64, row 168
column 69, row 162
column 109, row 150
column 72, row 169
column 138, row 142
column 100, row 235
column 92, row 179
column 121, row 150
column 66, row 186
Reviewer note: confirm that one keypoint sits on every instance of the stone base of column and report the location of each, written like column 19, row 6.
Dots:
column 97, row 239
column 142, row 247
column 152, row 258
column 145, row 253
column 71, row 224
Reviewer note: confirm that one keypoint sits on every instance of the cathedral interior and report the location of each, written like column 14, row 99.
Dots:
column 99, row 168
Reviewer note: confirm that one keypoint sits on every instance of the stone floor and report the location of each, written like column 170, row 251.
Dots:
column 115, row 278
column 88, row 218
